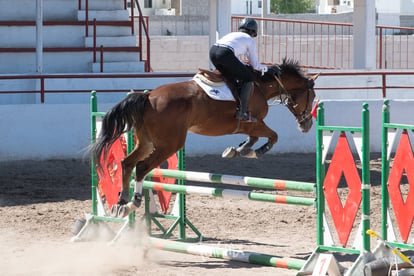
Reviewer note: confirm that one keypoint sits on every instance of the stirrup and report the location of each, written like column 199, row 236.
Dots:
column 245, row 116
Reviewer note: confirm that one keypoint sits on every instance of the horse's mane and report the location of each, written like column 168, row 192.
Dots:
column 291, row 66
column 288, row 66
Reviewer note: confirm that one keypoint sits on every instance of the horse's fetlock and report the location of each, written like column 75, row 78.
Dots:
column 137, row 199
column 122, row 201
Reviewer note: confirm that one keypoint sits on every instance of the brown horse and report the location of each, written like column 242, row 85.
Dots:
column 162, row 118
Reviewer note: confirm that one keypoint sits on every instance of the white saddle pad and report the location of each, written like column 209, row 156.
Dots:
column 220, row 93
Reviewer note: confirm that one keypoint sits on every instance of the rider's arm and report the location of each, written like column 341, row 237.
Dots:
column 254, row 61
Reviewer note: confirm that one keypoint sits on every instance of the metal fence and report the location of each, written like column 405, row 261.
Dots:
column 329, row 45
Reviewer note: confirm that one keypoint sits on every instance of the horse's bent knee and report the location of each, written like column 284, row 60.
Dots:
column 273, row 139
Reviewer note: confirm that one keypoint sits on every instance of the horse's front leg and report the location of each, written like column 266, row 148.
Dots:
column 263, row 149
column 123, row 208
column 119, row 209
column 135, row 202
column 272, row 139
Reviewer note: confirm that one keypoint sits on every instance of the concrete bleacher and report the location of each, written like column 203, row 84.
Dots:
column 66, row 46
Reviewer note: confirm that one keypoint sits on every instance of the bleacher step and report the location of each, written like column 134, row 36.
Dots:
column 112, row 15
column 112, row 41
column 119, row 67
column 102, row 4
column 112, row 56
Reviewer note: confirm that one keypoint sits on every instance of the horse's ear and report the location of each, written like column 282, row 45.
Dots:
column 314, row 77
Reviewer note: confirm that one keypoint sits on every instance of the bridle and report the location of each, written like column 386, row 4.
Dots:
column 285, row 99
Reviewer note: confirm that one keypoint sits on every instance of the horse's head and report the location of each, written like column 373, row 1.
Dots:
column 295, row 90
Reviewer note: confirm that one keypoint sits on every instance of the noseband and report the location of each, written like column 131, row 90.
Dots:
column 286, row 99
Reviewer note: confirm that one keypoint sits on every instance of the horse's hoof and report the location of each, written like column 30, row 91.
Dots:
column 114, row 210
column 123, row 211
column 249, row 154
column 230, row 152
column 119, row 211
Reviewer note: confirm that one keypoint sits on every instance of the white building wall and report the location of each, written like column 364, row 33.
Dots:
column 386, row 6
column 388, row 12
column 402, row 7
column 158, row 7
column 194, row 7
column 179, row 53
column 395, row 13
column 247, row 7
column 407, row 7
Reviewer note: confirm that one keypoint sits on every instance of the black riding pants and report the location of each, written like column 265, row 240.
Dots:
column 229, row 65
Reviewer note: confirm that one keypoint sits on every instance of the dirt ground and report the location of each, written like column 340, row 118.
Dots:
column 40, row 200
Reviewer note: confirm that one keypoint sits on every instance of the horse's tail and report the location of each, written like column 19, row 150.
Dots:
column 118, row 120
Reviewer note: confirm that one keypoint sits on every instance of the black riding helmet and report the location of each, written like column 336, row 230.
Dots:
column 250, row 25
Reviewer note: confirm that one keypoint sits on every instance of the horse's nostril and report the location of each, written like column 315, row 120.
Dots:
column 305, row 125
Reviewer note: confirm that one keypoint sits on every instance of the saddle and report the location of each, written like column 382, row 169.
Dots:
column 215, row 78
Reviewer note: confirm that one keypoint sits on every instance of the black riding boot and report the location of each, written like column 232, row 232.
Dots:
column 245, row 93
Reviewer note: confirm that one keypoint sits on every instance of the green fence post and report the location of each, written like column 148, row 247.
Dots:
column 181, row 197
column 385, row 169
column 366, row 185
column 320, row 173
column 94, row 175
column 130, row 141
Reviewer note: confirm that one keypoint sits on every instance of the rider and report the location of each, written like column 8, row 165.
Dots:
column 232, row 55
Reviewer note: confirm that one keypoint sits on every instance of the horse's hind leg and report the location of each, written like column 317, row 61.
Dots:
column 244, row 149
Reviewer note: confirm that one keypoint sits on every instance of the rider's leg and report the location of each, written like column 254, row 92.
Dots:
column 245, row 93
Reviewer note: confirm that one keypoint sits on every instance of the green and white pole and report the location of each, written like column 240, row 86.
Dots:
column 231, row 193
column 255, row 182
column 228, row 254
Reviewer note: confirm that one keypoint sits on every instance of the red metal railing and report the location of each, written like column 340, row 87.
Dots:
column 385, row 86
column 314, row 44
column 328, row 44
column 101, row 48
column 400, row 40
column 142, row 25
column 44, row 77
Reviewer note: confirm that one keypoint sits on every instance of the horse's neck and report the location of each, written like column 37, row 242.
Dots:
column 270, row 92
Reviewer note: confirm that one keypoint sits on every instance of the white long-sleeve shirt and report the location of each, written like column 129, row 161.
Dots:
column 244, row 48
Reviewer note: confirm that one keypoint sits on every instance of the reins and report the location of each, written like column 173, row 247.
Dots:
column 289, row 103
column 286, row 100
